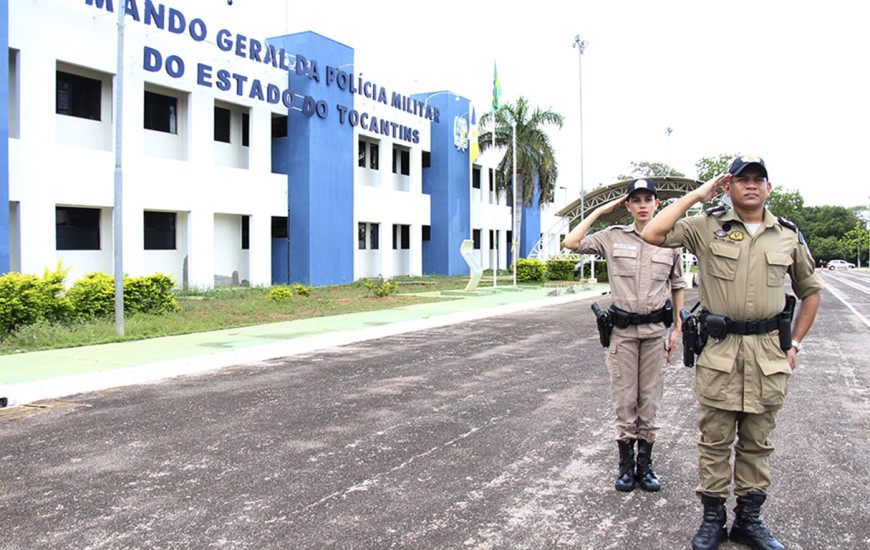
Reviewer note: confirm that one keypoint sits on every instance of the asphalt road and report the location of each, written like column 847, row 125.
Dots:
column 489, row 434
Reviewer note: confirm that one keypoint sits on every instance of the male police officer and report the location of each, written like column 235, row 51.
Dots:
column 642, row 278
column 741, row 377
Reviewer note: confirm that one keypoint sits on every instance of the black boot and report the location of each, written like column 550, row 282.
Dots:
column 645, row 476
column 747, row 527
column 712, row 530
column 625, row 481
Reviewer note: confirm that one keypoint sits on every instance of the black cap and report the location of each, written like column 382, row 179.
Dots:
column 740, row 164
column 642, row 184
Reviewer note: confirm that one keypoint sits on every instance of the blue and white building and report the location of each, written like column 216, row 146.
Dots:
column 245, row 159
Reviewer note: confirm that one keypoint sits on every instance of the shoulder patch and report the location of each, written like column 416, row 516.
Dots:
column 715, row 210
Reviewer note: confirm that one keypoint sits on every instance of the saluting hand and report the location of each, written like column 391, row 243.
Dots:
column 709, row 190
column 613, row 205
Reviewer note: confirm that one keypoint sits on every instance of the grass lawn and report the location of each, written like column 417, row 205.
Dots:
column 215, row 309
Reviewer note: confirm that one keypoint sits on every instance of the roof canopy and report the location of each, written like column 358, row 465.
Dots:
column 668, row 188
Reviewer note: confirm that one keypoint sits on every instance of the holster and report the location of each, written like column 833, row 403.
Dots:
column 785, row 318
column 693, row 339
column 605, row 325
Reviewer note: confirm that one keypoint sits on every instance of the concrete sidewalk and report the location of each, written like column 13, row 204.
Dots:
column 29, row 377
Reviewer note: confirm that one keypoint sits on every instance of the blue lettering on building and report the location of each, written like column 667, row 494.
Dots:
column 155, row 14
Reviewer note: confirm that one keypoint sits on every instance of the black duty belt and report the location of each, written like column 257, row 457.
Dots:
column 624, row 319
column 718, row 326
column 753, row 326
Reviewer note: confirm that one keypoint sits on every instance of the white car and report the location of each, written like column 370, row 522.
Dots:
column 840, row 264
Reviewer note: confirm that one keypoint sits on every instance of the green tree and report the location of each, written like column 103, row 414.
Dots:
column 786, row 203
column 855, row 243
column 825, row 249
column 710, row 167
column 647, row 169
column 537, row 168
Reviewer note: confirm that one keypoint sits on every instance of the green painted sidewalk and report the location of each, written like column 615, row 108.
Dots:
column 173, row 355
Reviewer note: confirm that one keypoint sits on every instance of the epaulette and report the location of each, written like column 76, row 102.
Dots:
column 787, row 223
column 715, row 210
column 791, row 225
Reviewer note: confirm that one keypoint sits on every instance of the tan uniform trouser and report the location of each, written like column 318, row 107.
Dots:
column 636, row 383
column 751, row 471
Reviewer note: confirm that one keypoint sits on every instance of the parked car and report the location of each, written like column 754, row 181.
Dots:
column 840, row 264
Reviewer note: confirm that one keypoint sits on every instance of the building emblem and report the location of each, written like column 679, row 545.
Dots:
column 460, row 133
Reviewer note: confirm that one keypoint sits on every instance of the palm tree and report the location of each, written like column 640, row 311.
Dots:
column 536, row 160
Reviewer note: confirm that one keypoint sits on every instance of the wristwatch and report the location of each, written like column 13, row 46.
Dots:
column 796, row 345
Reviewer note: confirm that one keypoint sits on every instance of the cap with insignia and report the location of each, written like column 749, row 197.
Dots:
column 740, row 164
column 644, row 184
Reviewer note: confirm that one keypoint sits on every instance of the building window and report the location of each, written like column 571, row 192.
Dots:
column 78, row 96
column 77, row 228
column 374, row 152
column 491, row 180
column 370, row 230
column 279, row 227
column 401, row 161
column 279, row 126
column 475, row 235
column 246, row 130
column 367, row 148
column 160, row 230
column 161, row 113
column 222, row 124
column 401, row 237
column 374, row 238
column 246, row 232
column 491, row 239
column 427, row 233
column 475, row 178
column 427, row 159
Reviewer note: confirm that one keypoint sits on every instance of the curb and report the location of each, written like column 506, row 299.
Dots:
column 53, row 388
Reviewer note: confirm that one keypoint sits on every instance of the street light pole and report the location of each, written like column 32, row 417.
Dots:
column 581, row 47
column 118, row 205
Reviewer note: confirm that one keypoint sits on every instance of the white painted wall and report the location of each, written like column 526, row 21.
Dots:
column 61, row 160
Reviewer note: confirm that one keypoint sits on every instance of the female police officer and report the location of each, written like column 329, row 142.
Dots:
column 642, row 278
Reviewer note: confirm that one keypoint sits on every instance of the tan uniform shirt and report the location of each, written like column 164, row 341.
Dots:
column 641, row 275
column 743, row 277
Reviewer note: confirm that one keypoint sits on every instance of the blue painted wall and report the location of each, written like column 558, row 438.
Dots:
column 447, row 183
column 530, row 232
column 4, row 136
column 318, row 156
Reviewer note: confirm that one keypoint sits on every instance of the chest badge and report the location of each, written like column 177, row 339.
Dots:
column 736, row 236
column 721, row 233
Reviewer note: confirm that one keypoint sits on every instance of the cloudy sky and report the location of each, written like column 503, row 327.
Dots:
column 787, row 81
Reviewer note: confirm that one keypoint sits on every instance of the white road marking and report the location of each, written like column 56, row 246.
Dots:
column 840, row 297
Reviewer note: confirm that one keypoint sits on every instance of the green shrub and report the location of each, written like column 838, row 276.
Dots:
column 560, row 270
column 150, row 294
column 26, row 299
column 94, row 295
column 302, row 290
column 530, row 270
column 380, row 287
column 279, row 293
column 600, row 271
